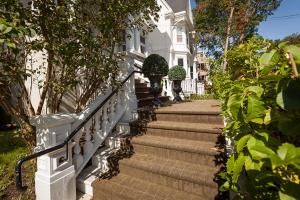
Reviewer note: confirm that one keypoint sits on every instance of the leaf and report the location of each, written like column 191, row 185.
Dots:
column 11, row 45
column 252, row 165
column 242, row 142
column 284, row 196
column 258, row 149
column 32, row 32
column 234, row 105
column 230, row 164
column 295, row 51
column 238, row 167
column 255, row 109
column 290, row 127
column 2, row 27
column 268, row 60
column 289, row 154
column 225, row 186
column 256, row 89
column 7, row 30
column 268, row 119
column 289, row 97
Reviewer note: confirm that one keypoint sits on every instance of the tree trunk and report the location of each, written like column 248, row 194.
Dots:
column 227, row 38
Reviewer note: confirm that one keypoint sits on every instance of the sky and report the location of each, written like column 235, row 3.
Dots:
column 285, row 20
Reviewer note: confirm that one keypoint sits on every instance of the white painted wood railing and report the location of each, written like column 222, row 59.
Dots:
column 190, row 86
column 57, row 169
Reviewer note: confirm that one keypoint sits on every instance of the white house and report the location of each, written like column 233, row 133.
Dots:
column 172, row 38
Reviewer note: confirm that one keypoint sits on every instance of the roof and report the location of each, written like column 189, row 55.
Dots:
column 178, row 5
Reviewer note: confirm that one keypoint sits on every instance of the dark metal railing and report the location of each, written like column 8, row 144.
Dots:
column 18, row 169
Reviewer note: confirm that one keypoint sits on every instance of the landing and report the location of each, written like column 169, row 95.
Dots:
column 194, row 107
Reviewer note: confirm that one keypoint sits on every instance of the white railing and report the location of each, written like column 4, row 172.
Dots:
column 57, row 171
column 190, row 86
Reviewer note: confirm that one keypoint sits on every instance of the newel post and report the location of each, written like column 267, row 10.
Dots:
column 130, row 99
column 55, row 178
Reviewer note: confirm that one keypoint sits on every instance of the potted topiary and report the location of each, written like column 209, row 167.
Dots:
column 177, row 74
column 155, row 67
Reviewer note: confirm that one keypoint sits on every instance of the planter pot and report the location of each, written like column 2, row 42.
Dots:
column 156, row 88
column 177, row 89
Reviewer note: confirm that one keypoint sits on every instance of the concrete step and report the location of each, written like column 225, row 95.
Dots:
column 198, row 152
column 182, row 176
column 182, row 130
column 209, row 117
column 130, row 188
column 148, row 101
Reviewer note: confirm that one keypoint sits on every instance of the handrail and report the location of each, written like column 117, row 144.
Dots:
column 18, row 168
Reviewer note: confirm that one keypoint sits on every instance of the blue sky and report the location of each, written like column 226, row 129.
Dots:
column 284, row 22
column 277, row 26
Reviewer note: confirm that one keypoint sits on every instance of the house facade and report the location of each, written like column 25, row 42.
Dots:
column 172, row 38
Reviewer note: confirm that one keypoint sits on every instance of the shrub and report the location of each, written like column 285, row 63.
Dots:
column 261, row 102
column 177, row 73
column 155, row 65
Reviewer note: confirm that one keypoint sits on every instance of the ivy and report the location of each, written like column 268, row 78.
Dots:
column 261, row 97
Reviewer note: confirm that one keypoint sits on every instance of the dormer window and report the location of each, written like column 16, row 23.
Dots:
column 179, row 36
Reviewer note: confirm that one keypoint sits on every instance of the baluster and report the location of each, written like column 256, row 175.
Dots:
column 88, row 145
column 77, row 158
column 119, row 100
column 122, row 97
column 104, row 119
column 97, row 127
column 112, row 106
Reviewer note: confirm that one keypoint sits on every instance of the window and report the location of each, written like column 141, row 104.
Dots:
column 143, row 43
column 179, row 34
column 180, row 62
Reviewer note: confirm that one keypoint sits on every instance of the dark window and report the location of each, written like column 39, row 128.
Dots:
column 180, row 62
column 192, row 72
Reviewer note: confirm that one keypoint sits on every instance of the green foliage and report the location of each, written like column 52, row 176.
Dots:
column 61, row 46
column 155, row 65
column 201, row 97
column 177, row 73
column 261, row 98
column 12, row 147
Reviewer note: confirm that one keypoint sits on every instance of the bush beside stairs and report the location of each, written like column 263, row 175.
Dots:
column 177, row 157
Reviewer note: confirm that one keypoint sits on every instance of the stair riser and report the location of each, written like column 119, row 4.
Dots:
column 209, row 137
column 141, row 89
column 182, row 185
column 207, row 160
column 143, row 95
column 148, row 102
column 191, row 118
column 140, row 84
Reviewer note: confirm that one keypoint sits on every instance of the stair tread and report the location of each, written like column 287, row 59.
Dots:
column 186, row 126
column 135, row 188
column 202, row 147
column 180, row 170
column 193, row 107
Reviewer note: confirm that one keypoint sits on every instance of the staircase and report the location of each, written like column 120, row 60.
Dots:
column 143, row 95
column 177, row 157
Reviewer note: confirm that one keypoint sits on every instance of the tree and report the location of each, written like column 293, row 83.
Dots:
column 222, row 23
column 77, row 40
column 292, row 39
